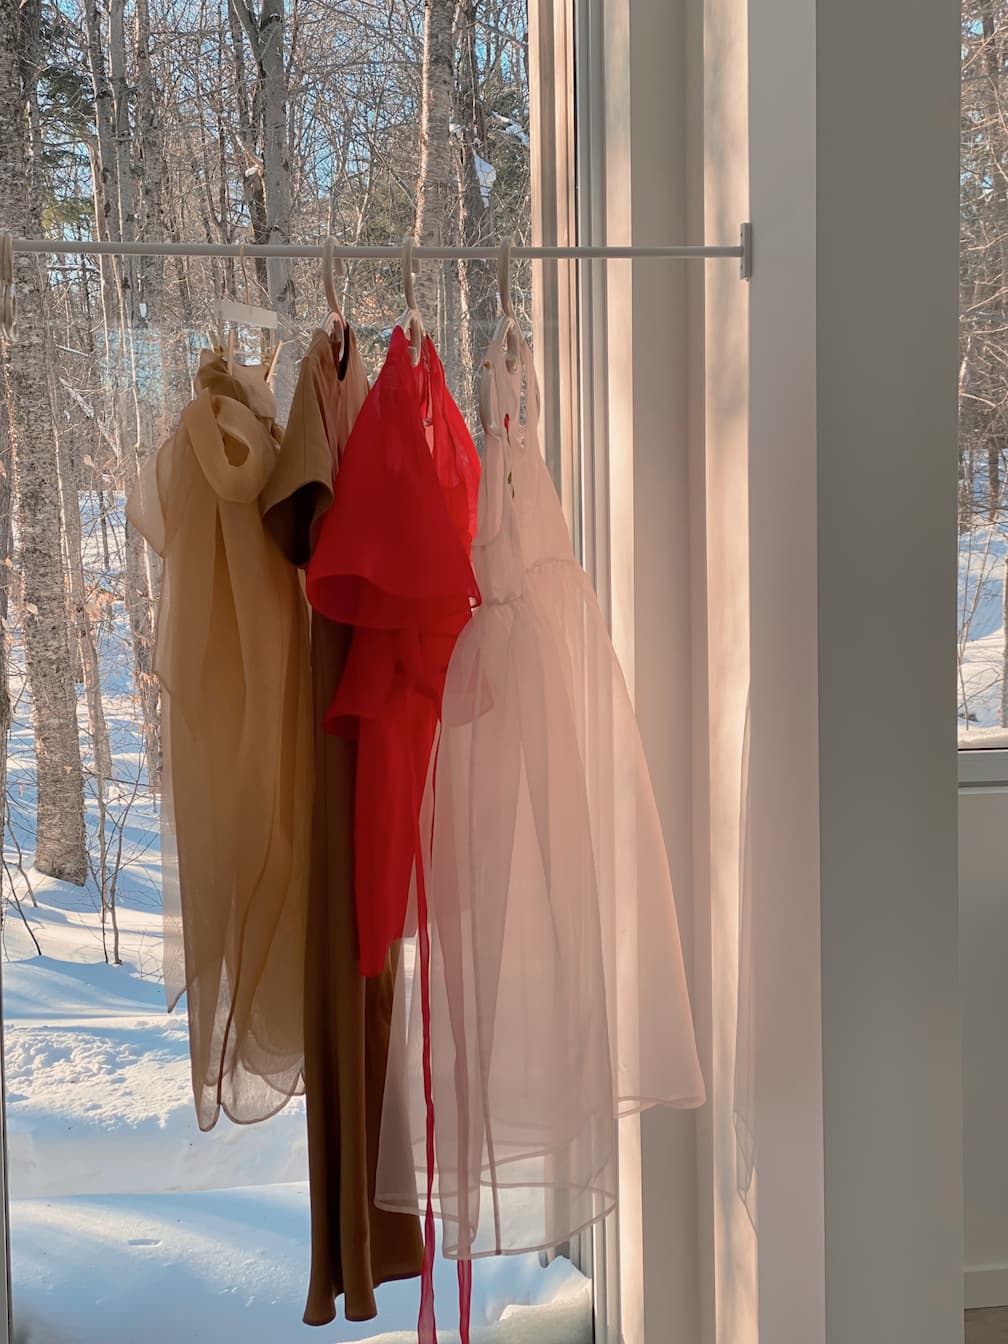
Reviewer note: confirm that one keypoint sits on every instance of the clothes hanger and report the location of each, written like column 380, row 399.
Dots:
column 507, row 330
column 335, row 323
column 411, row 321
column 506, row 333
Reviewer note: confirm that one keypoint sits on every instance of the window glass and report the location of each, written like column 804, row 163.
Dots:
column 982, row 691
column 212, row 122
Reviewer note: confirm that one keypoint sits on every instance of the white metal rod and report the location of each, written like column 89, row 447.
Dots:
column 89, row 248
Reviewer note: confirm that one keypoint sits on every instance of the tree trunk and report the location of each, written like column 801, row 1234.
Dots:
column 108, row 223
column 153, row 225
column 114, row 182
column 123, row 164
column 435, row 182
column 265, row 36
column 87, row 652
column 6, row 537
column 60, row 838
column 477, row 284
column 276, row 151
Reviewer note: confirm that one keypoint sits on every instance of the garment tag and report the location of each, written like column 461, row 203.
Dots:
column 246, row 314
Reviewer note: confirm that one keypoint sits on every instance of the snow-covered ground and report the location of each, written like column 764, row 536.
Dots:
column 982, row 652
column 128, row 1225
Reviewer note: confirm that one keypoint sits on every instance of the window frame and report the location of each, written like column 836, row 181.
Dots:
column 983, row 767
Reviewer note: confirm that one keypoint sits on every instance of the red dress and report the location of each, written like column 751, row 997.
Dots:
column 392, row 561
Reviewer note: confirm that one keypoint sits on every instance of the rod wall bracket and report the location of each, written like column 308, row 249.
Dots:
column 745, row 265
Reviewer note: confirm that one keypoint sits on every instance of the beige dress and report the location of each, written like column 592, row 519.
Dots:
column 354, row 1245
column 231, row 654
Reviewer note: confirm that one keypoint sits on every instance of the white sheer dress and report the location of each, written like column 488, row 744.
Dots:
column 558, row 998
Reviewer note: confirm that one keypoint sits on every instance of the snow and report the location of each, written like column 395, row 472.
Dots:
column 486, row 173
column 982, row 554
column 513, row 129
column 229, row 1265
column 127, row 1223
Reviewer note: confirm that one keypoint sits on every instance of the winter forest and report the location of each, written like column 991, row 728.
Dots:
column 224, row 121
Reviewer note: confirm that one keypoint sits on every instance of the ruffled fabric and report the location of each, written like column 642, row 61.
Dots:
column 231, row 653
column 392, row 561
column 557, row 992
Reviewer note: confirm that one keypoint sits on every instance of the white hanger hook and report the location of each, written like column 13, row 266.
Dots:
column 504, row 276
column 332, row 266
column 409, row 268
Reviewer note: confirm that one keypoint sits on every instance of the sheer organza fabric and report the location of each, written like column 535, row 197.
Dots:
column 231, row 653
column 392, row 561
column 558, row 995
column 354, row 1245
column 652, row 1040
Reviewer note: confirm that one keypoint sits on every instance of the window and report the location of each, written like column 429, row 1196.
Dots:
column 225, row 123
column 982, row 708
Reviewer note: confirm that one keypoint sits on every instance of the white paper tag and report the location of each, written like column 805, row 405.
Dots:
column 246, row 315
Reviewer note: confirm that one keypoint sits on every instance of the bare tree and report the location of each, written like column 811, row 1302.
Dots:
column 80, row 617
column 223, row 120
column 265, row 33
column 60, row 839
column 435, row 191
column 477, row 178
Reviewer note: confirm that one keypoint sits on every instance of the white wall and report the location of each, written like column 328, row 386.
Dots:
column 816, row 449
column 887, row 356
column 852, row 581
column 983, row 934
column 784, row 784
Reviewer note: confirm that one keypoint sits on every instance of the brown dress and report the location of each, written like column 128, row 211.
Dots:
column 354, row 1245
column 231, row 653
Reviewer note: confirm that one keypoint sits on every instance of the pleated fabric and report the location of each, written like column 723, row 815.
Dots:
column 355, row 1246
column 557, row 991
column 231, row 653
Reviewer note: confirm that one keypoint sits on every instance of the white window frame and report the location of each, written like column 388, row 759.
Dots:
column 637, row 183
column 644, row 1261
column 982, row 767
column 569, row 315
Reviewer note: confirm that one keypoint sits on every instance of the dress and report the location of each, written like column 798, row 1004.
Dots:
column 548, row 1017
column 392, row 561
column 231, row 653
column 652, row 1041
column 354, row 1245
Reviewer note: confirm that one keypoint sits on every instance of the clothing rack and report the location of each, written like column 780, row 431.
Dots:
column 50, row 247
